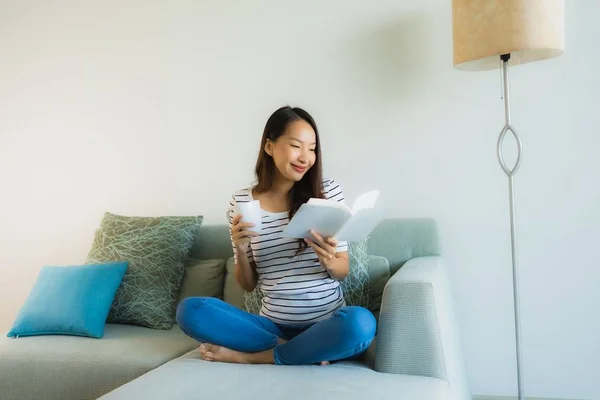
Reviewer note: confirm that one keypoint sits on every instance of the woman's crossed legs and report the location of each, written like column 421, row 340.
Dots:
column 229, row 334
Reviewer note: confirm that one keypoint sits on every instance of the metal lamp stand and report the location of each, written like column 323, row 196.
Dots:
column 510, row 172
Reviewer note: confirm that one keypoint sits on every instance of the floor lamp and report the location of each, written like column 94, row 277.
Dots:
column 491, row 34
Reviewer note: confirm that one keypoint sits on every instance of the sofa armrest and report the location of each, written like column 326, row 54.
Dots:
column 418, row 333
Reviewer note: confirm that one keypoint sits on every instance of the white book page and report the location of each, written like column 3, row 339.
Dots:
column 360, row 225
column 326, row 221
column 366, row 200
column 329, row 203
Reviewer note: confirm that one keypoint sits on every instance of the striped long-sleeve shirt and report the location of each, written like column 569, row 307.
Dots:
column 296, row 288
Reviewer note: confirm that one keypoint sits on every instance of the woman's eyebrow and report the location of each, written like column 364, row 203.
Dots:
column 298, row 140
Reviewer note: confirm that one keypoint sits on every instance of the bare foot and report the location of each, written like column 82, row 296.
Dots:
column 211, row 352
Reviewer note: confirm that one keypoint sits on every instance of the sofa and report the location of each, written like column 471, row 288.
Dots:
column 416, row 353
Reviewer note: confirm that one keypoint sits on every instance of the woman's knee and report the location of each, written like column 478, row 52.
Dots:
column 360, row 323
column 190, row 307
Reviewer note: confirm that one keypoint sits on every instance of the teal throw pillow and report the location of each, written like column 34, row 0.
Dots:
column 70, row 300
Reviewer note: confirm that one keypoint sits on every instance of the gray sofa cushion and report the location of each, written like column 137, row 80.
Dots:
column 191, row 378
column 67, row 367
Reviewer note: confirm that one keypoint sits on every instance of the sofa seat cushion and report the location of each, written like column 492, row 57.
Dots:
column 67, row 367
column 189, row 377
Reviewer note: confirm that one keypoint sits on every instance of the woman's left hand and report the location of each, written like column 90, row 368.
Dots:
column 325, row 248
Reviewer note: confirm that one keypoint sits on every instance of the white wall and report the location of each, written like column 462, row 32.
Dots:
column 143, row 108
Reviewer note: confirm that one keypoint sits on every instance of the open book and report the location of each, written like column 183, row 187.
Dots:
column 330, row 218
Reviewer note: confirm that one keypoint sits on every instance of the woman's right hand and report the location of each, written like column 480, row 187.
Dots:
column 240, row 233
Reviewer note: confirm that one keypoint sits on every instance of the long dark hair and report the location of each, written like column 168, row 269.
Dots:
column 311, row 183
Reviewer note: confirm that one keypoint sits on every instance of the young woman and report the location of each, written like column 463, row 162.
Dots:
column 303, row 318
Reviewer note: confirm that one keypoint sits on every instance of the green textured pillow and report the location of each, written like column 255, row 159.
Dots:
column 356, row 286
column 253, row 301
column 156, row 249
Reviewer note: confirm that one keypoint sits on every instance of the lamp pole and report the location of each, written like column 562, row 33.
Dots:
column 510, row 173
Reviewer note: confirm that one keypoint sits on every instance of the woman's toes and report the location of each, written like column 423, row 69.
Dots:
column 205, row 352
column 324, row 363
column 212, row 352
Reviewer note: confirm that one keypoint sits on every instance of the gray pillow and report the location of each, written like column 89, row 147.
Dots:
column 156, row 248
column 202, row 278
column 232, row 291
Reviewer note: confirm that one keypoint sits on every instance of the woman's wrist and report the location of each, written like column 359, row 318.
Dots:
column 241, row 253
column 337, row 267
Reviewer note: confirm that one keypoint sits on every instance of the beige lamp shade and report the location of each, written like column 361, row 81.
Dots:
column 530, row 30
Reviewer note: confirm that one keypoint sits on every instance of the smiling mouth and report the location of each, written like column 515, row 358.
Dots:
column 298, row 169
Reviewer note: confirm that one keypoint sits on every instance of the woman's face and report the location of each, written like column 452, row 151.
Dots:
column 294, row 151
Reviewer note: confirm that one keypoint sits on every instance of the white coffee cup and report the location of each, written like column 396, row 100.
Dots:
column 250, row 212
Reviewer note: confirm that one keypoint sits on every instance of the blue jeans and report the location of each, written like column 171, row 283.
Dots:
column 347, row 333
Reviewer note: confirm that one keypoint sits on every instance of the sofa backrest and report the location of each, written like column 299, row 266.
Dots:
column 400, row 239
column 397, row 239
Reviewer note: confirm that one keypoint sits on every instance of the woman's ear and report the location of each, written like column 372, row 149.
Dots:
column 269, row 147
